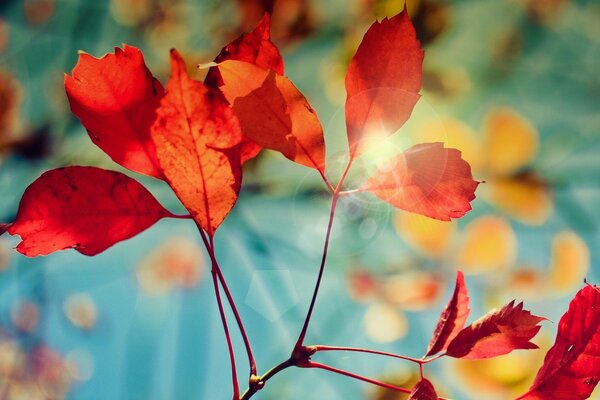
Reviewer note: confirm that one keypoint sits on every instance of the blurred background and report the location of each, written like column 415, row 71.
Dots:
column 514, row 84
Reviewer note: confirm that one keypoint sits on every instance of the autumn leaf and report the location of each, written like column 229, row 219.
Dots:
column 115, row 98
column 85, row 208
column 254, row 47
column 383, row 81
column 571, row 369
column 273, row 112
column 497, row 333
column 426, row 179
column 453, row 318
column 197, row 136
column 424, row 390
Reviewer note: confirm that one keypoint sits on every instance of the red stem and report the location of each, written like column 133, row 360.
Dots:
column 300, row 340
column 218, row 275
column 334, row 201
column 369, row 351
column 251, row 360
column 234, row 381
column 312, row 364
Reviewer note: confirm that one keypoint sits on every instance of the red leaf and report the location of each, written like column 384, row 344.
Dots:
column 453, row 318
column 85, row 208
column 497, row 333
column 571, row 368
column 115, row 98
column 197, row 139
column 383, row 80
column 426, row 179
column 424, row 390
column 254, row 47
column 273, row 112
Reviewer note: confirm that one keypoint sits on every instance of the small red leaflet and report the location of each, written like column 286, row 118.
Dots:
column 453, row 318
column 424, row 390
column 496, row 333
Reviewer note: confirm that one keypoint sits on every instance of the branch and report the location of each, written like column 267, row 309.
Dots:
column 419, row 361
column 234, row 381
column 313, row 364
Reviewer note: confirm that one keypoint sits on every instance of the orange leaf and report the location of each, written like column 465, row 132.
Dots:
column 571, row 368
column 197, row 137
column 85, row 208
column 424, row 390
column 383, row 80
column 497, row 333
column 426, row 179
column 453, row 318
column 115, row 98
column 254, row 47
column 273, row 112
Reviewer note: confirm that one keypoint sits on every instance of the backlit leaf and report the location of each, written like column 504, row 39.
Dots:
column 273, row 112
column 426, row 179
column 115, row 98
column 423, row 391
column 571, row 369
column 85, row 208
column 383, row 81
column 254, row 47
column 197, row 137
column 453, row 318
column 497, row 333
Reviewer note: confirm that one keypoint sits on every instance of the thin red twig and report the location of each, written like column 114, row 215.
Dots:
column 419, row 361
column 313, row 364
column 234, row 380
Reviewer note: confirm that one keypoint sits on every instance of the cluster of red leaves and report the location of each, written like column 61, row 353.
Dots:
column 197, row 135
column 571, row 368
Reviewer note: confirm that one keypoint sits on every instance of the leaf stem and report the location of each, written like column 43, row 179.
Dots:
column 234, row 380
column 302, row 334
column 334, row 201
column 210, row 248
column 369, row 351
column 312, row 364
column 181, row 216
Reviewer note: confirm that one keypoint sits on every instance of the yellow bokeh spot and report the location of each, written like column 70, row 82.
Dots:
column 570, row 262
column 523, row 197
column 383, row 323
column 500, row 377
column 489, row 243
column 510, row 141
column 426, row 235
